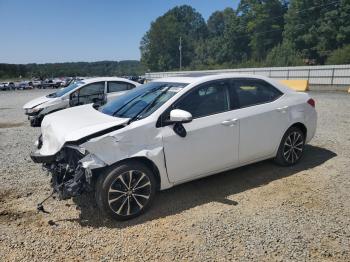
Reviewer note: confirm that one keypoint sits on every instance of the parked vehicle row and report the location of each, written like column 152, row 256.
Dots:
column 53, row 83
column 6, row 86
column 167, row 132
column 23, row 85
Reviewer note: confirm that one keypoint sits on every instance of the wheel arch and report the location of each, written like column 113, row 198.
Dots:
column 301, row 126
column 151, row 165
column 147, row 162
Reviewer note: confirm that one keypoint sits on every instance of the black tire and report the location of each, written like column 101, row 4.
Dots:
column 122, row 199
column 291, row 148
column 36, row 122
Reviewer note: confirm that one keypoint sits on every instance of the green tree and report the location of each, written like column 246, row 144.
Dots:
column 339, row 56
column 160, row 45
column 227, row 42
column 316, row 27
column 283, row 55
column 263, row 20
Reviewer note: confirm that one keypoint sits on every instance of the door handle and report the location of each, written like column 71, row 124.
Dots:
column 230, row 122
column 282, row 109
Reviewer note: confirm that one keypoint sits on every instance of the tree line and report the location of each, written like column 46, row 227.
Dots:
column 43, row 71
column 257, row 33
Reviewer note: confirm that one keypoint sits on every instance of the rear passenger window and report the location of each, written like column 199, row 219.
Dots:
column 206, row 100
column 254, row 92
column 118, row 87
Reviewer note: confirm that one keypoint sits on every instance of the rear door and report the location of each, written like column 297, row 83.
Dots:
column 117, row 88
column 262, row 115
column 211, row 143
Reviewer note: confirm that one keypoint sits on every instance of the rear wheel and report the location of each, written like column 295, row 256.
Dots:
column 291, row 148
column 125, row 191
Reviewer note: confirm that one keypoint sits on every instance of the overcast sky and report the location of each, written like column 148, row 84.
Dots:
column 46, row 31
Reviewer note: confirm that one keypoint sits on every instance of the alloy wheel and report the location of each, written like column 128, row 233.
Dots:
column 293, row 147
column 129, row 193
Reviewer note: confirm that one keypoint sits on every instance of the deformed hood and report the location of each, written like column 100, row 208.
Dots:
column 73, row 124
column 37, row 101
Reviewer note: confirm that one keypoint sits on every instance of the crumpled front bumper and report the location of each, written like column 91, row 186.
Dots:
column 35, row 121
column 71, row 168
column 38, row 158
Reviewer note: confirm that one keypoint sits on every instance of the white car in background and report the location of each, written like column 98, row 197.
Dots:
column 171, row 131
column 97, row 90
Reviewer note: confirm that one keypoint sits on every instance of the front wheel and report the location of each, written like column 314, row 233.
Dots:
column 291, row 148
column 125, row 191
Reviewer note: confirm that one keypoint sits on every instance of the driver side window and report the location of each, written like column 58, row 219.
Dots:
column 209, row 99
column 92, row 89
column 91, row 93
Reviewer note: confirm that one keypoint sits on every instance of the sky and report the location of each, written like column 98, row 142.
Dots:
column 49, row 31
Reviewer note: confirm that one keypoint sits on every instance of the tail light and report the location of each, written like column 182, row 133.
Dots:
column 311, row 102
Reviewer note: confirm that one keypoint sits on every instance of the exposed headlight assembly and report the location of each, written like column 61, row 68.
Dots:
column 80, row 149
column 33, row 110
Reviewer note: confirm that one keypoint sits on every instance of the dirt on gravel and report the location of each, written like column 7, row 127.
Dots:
column 9, row 125
column 260, row 212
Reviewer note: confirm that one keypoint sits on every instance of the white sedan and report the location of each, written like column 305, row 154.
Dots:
column 171, row 131
column 98, row 90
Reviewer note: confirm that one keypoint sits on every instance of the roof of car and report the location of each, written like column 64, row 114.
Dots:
column 112, row 78
column 193, row 78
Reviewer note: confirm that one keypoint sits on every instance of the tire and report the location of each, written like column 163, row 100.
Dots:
column 291, row 148
column 36, row 122
column 122, row 198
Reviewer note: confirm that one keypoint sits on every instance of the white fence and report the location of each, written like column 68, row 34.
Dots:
column 317, row 75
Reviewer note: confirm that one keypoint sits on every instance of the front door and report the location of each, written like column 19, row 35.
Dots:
column 211, row 143
column 90, row 93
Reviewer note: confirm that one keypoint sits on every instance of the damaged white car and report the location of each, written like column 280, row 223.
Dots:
column 98, row 90
column 171, row 131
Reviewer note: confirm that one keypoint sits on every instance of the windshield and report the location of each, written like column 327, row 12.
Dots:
column 67, row 89
column 142, row 101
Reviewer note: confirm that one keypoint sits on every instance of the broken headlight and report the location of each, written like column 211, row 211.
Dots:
column 31, row 111
column 80, row 149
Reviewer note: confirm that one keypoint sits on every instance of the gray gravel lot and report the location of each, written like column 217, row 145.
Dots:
column 261, row 212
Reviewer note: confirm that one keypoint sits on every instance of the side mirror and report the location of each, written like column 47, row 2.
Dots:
column 180, row 116
column 96, row 100
column 73, row 99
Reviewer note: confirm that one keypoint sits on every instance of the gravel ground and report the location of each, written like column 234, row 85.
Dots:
column 260, row 212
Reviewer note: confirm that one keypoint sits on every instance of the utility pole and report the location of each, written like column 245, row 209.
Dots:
column 180, row 49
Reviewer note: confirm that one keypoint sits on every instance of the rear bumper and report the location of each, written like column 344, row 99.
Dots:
column 38, row 158
column 311, row 125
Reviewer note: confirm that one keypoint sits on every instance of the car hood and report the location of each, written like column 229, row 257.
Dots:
column 37, row 101
column 73, row 124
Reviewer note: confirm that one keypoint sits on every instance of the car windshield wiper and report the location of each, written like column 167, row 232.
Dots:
column 135, row 117
column 52, row 95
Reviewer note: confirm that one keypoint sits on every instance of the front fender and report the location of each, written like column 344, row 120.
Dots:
column 50, row 108
column 110, row 149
